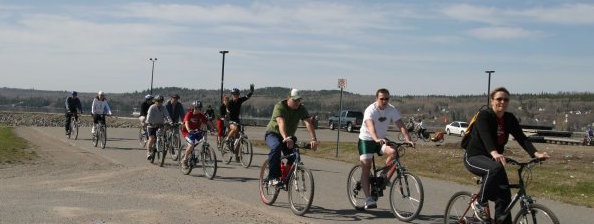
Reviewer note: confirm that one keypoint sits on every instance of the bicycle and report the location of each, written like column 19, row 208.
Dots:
column 100, row 136
column 406, row 189
column 142, row 135
column 173, row 141
column 240, row 147
column 208, row 158
column 295, row 178
column 159, row 149
column 459, row 209
column 73, row 127
column 414, row 136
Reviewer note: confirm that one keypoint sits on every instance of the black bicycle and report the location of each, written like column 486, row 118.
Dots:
column 207, row 155
column 240, row 148
column 174, row 145
column 100, row 135
column 406, row 189
column 460, row 210
column 295, row 178
column 159, row 149
column 72, row 131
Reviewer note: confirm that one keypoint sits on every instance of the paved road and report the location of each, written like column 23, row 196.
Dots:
column 120, row 186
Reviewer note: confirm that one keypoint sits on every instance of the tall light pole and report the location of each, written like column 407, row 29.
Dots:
column 152, row 73
column 223, row 73
column 489, row 87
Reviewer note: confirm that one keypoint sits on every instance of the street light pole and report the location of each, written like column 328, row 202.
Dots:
column 223, row 73
column 152, row 73
column 489, row 87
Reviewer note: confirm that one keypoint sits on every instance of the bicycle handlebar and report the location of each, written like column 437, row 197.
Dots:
column 524, row 164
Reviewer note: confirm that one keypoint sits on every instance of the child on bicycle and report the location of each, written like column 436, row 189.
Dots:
column 372, row 138
column 193, row 121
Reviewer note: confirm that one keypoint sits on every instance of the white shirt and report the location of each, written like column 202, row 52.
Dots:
column 381, row 120
column 100, row 107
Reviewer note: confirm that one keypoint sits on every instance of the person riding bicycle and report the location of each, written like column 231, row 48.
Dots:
column 148, row 101
column 234, row 109
column 372, row 137
column 99, row 108
column 281, row 129
column 72, row 106
column 156, row 117
column 221, row 121
column 193, row 120
column 175, row 109
column 484, row 154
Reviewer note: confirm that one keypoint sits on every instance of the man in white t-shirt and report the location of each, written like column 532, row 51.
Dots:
column 372, row 138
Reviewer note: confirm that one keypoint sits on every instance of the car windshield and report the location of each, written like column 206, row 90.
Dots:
column 463, row 124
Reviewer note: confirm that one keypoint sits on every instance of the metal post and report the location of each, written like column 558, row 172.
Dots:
column 152, row 73
column 339, row 123
column 222, row 74
column 489, row 87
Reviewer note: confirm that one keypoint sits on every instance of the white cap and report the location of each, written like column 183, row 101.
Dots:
column 295, row 94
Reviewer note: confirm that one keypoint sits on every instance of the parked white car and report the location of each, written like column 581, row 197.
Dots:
column 456, row 127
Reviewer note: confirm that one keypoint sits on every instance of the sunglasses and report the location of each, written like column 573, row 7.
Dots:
column 384, row 99
column 502, row 99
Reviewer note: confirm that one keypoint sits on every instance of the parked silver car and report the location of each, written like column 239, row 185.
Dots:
column 456, row 127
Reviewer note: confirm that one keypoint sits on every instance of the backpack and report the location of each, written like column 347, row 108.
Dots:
column 466, row 138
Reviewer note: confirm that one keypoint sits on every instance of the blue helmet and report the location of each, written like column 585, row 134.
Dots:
column 148, row 97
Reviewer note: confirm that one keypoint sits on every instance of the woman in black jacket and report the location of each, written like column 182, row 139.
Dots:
column 484, row 153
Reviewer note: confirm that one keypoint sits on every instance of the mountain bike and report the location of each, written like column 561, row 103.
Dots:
column 173, row 141
column 159, row 150
column 208, row 157
column 240, row 147
column 459, row 209
column 411, row 132
column 295, row 178
column 73, row 127
column 406, row 189
column 142, row 135
column 100, row 136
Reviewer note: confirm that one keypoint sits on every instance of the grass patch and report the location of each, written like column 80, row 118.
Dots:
column 12, row 149
column 565, row 177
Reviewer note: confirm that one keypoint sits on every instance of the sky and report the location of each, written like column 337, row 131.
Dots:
column 408, row 47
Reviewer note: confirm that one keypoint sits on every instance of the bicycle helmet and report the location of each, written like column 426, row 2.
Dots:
column 100, row 93
column 74, row 93
column 197, row 104
column 235, row 91
column 148, row 97
column 159, row 98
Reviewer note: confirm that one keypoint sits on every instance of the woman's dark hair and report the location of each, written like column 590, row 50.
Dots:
column 498, row 89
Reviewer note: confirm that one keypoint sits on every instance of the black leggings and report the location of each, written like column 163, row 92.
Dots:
column 495, row 185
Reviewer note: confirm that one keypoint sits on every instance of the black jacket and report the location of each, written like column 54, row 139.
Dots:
column 484, row 134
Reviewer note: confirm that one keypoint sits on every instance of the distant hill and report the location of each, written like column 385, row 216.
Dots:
column 543, row 109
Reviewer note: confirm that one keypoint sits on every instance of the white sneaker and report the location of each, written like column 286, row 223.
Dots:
column 480, row 211
column 93, row 130
column 370, row 203
column 275, row 182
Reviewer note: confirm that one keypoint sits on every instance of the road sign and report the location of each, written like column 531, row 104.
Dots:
column 342, row 83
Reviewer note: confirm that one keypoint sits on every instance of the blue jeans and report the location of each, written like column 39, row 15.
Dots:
column 276, row 145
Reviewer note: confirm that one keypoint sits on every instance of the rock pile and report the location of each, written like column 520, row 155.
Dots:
column 11, row 118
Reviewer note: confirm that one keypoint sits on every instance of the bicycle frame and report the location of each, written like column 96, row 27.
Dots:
column 293, row 167
column 394, row 167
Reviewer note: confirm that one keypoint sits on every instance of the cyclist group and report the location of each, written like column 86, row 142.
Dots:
column 483, row 157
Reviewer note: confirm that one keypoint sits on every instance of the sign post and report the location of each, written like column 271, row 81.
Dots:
column 341, row 84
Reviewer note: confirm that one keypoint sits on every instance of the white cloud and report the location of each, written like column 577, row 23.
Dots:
column 465, row 12
column 564, row 14
column 503, row 33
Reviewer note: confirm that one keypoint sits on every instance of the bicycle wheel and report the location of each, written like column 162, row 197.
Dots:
column 95, row 138
column 406, row 196
column 209, row 161
column 74, row 129
column 458, row 209
column 142, row 138
column 538, row 214
column 176, row 147
column 268, row 193
column 103, row 137
column 414, row 137
column 191, row 164
column 246, row 152
column 354, row 189
column 153, row 153
column 162, row 151
column 227, row 152
column 301, row 190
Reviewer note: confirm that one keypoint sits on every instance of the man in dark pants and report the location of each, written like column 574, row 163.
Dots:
column 72, row 106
